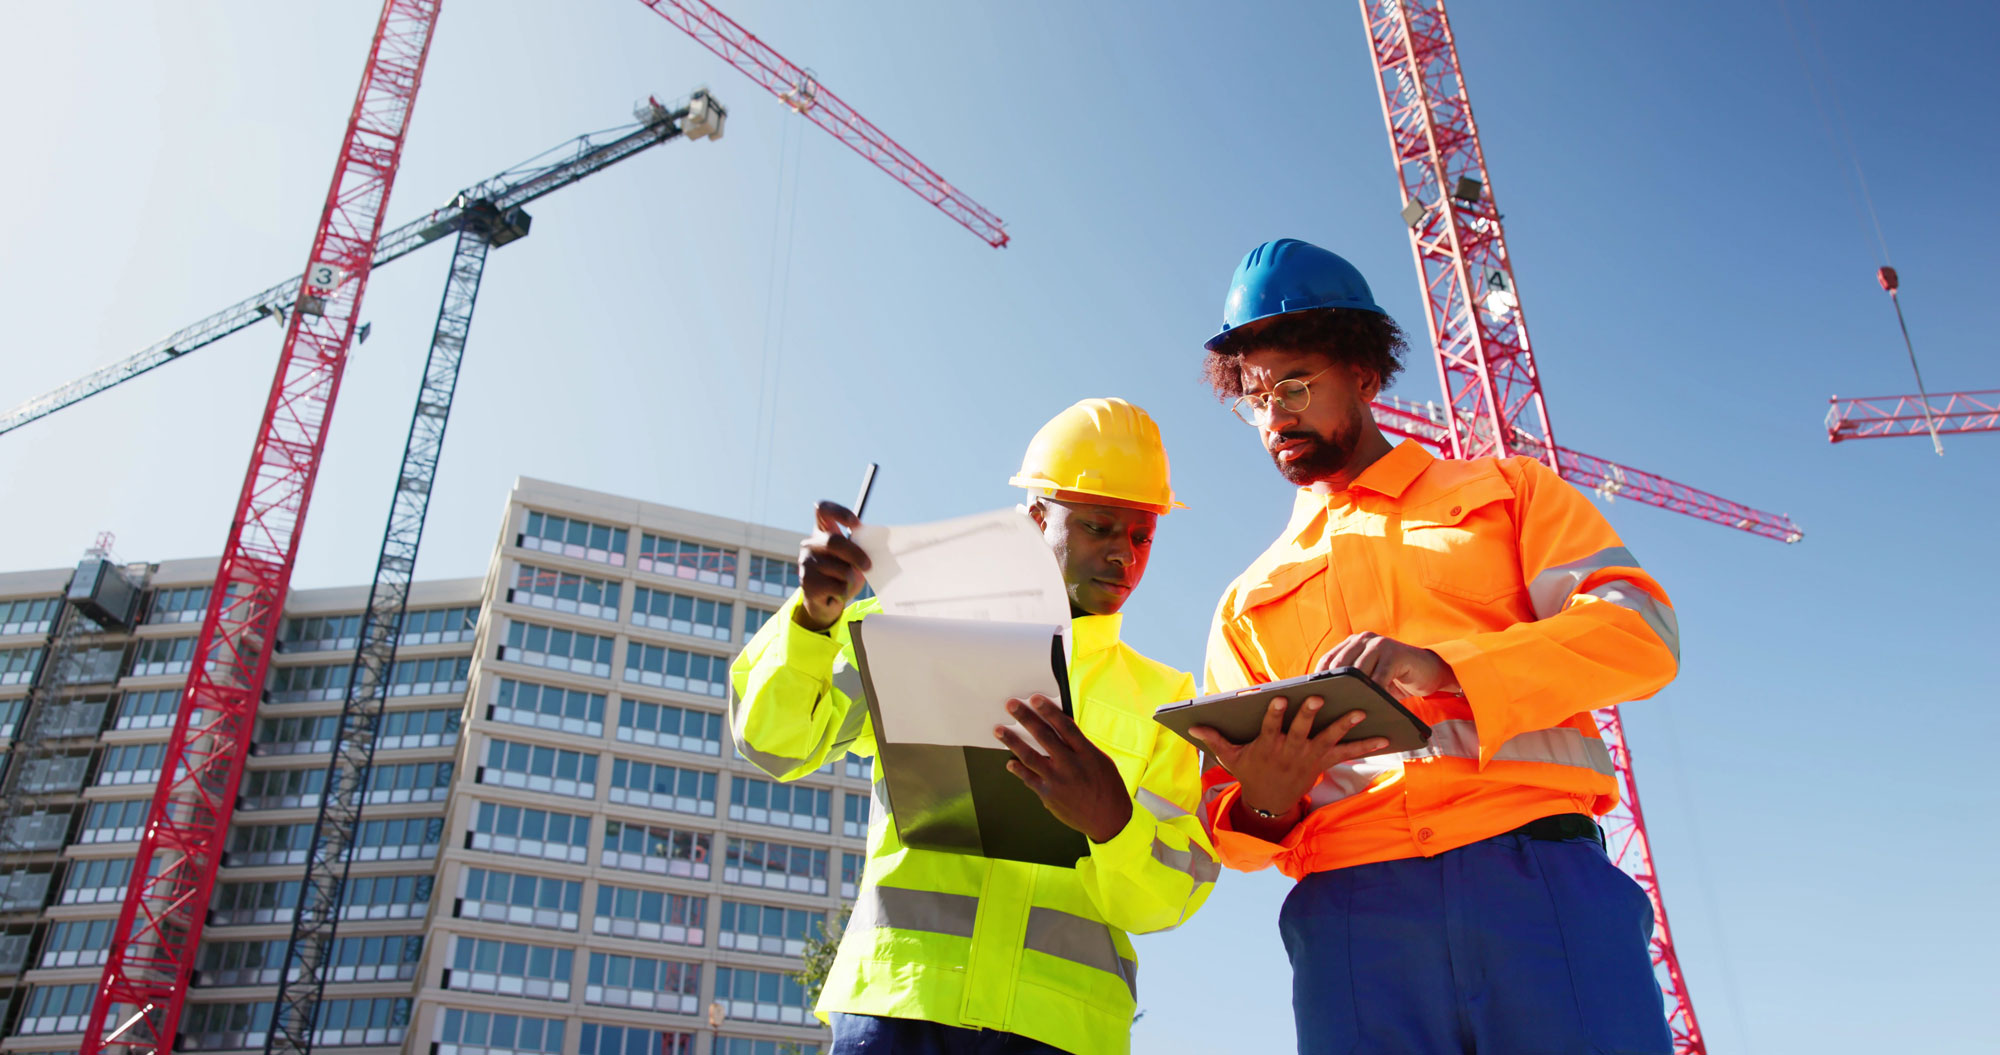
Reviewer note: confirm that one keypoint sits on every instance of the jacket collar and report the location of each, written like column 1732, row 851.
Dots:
column 1094, row 633
column 1391, row 475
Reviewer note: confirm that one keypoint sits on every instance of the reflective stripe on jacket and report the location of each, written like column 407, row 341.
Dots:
column 1512, row 577
column 970, row 941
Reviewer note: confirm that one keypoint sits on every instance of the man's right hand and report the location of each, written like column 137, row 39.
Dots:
column 831, row 568
column 1276, row 770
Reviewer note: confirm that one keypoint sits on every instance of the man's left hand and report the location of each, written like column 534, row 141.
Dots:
column 1404, row 670
column 1077, row 782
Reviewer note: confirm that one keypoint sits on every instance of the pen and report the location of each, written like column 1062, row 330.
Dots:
column 867, row 485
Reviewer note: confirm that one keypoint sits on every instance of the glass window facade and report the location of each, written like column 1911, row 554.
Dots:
column 671, row 668
column 572, row 537
column 665, row 725
column 565, row 591
column 663, row 787
column 558, row 649
column 679, row 613
column 548, row 707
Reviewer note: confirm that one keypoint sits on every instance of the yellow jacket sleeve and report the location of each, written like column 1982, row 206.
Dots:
column 796, row 700
column 1604, row 632
column 1160, row 867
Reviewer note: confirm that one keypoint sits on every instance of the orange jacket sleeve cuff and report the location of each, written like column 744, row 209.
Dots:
column 1240, row 850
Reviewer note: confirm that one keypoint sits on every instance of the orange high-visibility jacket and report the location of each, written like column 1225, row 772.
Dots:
column 1512, row 577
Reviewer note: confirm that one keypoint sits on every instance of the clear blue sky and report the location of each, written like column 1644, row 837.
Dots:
column 1818, row 780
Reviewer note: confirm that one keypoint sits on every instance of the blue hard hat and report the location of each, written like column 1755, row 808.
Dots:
column 1288, row 275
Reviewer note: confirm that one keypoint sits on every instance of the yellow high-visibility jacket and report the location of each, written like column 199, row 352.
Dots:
column 970, row 941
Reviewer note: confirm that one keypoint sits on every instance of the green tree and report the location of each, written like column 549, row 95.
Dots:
column 818, row 956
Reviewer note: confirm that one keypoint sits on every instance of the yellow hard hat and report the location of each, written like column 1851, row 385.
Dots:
column 1100, row 448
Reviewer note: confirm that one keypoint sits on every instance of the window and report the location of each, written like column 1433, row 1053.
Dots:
column 269, row 844
column 537, row 768
column 860, row 767
column 775, row 866
column 314, row 633
column 401, row 839
column 184, row 604
column 18, row 665
column 409, row 782
column 131, row 764
column 663, row 787
column 55, row 773
column 30, row 615
column 754, row 619
column 325, row 681
column 432, row 727
column 462, row 1032
column 772, row 576
column 153, row 709
column 510, row 968
column 664, row 725
column 548, row 707
column 529, row 901
column 650, row 915
column 631, row 1040
column 386, row 897
column 56, row 1008
column 767, row 929
column 162, row 655
column 269, row 902
column 311, row 735
column 759, row 1046
column 761, row 996
column 671, row 668
column 542, row 646
column 362, row 1022
column 854, row 816
column 114, row 821
column 429, row 677
column 565, row 591
column 573, row 538
column 680, row 614
column 92, row 665
column 379, row 958
column 687, row 560
column 850, row 874
column 281, row 789
column 217, row 1027
column 95, row 881
column 642, row 982
column 656, row 849
column 439, row 626
column 529, row 833
column 785, row 805
column 78, row 943
column 240, row 962
column 10, row 717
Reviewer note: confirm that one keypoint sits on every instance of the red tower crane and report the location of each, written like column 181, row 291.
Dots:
column 1877, row 417
column 152, row 953
column 1492, row 391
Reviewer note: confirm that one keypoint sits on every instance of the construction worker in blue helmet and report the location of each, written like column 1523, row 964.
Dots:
column 1455, row 898
column 954, row 952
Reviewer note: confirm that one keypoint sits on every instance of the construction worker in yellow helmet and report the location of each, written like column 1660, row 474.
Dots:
column 953, row 952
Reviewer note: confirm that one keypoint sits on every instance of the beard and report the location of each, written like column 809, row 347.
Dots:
column 1320, row 457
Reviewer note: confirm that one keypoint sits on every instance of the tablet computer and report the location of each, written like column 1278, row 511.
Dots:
column 1239, row 715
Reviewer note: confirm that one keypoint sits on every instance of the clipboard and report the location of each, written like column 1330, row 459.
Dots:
column 1239, row 715
column 958, row 798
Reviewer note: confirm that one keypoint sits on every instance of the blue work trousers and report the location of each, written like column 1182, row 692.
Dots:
column 1509, row 946
column 878, row 1035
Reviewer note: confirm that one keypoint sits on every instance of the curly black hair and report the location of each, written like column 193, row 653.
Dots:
column 1364, row 338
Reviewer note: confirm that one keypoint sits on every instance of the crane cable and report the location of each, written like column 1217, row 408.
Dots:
column 1843, row 143
column 784, row 221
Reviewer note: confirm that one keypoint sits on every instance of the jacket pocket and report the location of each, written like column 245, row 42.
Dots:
column 1464, row 541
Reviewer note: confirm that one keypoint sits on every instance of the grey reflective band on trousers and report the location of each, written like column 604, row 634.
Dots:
column 1553, row 588
column 1050, row 931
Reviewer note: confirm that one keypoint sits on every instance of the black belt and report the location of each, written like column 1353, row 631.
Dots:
column 1562, row 826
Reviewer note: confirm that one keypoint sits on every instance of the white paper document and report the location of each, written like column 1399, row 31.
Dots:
column 946, row 681
column 991, row 567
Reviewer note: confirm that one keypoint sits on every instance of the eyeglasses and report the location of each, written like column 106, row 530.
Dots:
column 1294, row 394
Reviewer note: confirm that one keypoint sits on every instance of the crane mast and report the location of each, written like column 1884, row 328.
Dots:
column 1492, row 391
column 138, row 1005
column 485, row 216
